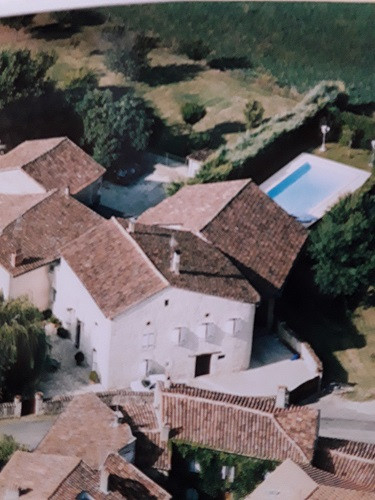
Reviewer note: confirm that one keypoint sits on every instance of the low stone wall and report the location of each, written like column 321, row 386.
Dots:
column 301, row 347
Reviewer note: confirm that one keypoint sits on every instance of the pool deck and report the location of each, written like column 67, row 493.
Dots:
column 356, row 178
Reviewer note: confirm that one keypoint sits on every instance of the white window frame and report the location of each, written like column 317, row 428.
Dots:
column 148, row 341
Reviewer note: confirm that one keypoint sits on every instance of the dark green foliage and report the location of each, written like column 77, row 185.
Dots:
column 249, row 472
column 192, row 112
column 23, row 345
column 63, row 333
column 7, row 447
column 347, row 136
column 77, row 88
column 299, row 43
column 362, row 128
column 79, row 17
column 22, row 75
column 18, row 22
column 111, row 127
column 129, row 51
column 194, row 49
column 253, row 114
column 342, row 246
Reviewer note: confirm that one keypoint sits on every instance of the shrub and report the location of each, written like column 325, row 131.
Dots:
column 94, row 377
column 253, row 114
column 79, row 357
column 192, row 112
column 63, row 333
column 363, row 128
column 194, row 49
column 8, row 446
column 47, row 313
column 346, row 136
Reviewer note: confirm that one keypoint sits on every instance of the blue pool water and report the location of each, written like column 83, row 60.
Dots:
column 304, row 188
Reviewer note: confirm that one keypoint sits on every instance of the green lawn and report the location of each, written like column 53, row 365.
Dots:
column 355, row 157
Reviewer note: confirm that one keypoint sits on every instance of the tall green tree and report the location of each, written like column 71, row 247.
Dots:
column 22, row 75
column 111, row 127
column 343, row 246
column 23, row 345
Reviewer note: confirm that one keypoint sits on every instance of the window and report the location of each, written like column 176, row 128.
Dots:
column 148, row 341
column 166, row 303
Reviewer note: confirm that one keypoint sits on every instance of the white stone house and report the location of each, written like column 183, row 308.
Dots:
column 140, row 301
column 33, row 229
column 35, row 167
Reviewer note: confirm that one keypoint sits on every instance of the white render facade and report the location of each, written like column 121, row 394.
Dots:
column 37, row 285
column 176, row 332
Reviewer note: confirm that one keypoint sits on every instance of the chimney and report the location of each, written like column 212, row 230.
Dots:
column 67, row 191
column 118, row 417
column 3, row 148
column 131, row 225
column 164, row 433
column 175, row 262
column 103, row 480
column 173, row 243
column 282, row 397
column 16, row 258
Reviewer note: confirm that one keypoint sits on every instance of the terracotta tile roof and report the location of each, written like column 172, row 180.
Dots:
column 40, row 473
column 86, row 430
column 112, row 268
column 347, row 459
column 193, row 207
column 142, row 486
column 240, row 220
column 203, row 268
column 118, row 283
column 43, row 230
column 13, row 206
column 54, row 163
column 243, row 426
column 290, row 481
column 259, row 235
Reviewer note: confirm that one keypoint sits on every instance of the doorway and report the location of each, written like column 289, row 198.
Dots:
column 202, row 365
column 78, row 333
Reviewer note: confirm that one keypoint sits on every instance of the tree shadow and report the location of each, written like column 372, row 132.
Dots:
column 225, row 63
column 171, row 73
column 54, row 31
column 325, row 323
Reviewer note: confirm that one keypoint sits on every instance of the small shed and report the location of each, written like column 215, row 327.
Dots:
column 195, row 161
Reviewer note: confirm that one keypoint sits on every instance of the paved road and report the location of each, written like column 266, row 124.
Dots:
column 342, row 428
column 28, row 431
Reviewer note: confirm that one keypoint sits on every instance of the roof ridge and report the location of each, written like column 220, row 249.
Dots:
column 288, row 437
column 46, row 195
column 248, row 181
column 138, row 248
column 62, row 139
column 70, row 473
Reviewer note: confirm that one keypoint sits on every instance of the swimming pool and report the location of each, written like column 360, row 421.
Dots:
column 309, row 185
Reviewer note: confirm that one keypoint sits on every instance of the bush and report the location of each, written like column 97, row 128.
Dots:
column 362, row 127
column 8, row 446
column 63, row 333
column 47, row 313
column 94, row 377
column 253, row 114
column 192, row 112
column 194, row 49
column 79, row 357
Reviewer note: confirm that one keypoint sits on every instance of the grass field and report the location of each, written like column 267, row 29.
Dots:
column 355, row 157
column 300, row 44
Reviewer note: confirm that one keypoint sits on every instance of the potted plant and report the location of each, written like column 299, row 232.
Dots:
column 94, row 377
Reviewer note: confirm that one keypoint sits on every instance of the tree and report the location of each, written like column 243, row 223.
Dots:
column 110, row 127
column 192, row 112
column 194, row 49
column 342, row 246
column 22, row 75
column 253, row 114
column 18, row 22
column 129, row 52
column 78, row 87
column 23, row 345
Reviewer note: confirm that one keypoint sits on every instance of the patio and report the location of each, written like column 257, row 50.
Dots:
column 271, row 365
column 69, row 378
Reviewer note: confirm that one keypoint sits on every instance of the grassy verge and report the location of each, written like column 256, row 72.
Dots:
column 355, row 157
